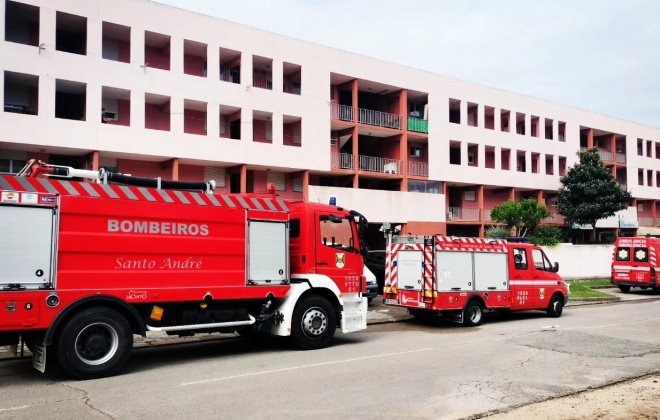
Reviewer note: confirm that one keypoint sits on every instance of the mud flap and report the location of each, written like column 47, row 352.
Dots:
column 354, row 315
column 39, row 358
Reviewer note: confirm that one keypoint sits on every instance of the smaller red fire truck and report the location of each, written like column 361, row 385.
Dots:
column 634, row 263
column 462, row 277
column 85, row 266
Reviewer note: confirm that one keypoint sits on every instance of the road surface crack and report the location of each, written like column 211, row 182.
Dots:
column 88, row 401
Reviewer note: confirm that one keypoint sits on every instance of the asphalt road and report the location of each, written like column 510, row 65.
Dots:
column 400, row 370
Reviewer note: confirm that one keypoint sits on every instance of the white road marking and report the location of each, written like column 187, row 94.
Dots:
column 20, row 407
column 334, row 362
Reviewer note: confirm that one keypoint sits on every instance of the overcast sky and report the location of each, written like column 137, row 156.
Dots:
column 598, row 55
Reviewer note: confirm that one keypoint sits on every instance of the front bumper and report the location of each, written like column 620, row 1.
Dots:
column 372, row 291
column 617, row 283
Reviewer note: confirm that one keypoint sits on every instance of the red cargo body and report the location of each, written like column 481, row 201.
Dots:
column 635, row 263
column 173, row 261
column 462, row 277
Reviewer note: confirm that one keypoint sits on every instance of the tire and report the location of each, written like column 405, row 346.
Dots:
column 369, row 300
column 473, row 313
column 624, row 289
column 555, row 307
column 94, row 343
column 314, row 323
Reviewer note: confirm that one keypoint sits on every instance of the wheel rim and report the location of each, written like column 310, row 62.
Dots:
column 475, row 314
column 96, row 343
column 314, row 322
column 556, row 307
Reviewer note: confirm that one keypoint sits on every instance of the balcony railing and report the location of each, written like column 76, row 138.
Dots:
column 379, row 164
column 463, row 214
column 380, row 119
column 418, row 169
column 343, row 161
column 487, row 215
column 232, row 76
column 606, row 155
column 342, row 112
column 418, row 125
column 262, row 82
column 555, row 218
column 292, row 87
column 620, row 158
column 646, row 221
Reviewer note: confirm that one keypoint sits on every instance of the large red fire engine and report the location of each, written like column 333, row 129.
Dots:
column 462, row 277
column 84, row 266
column 634, row 263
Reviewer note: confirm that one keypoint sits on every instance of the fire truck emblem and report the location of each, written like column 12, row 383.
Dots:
column 623, row 254
column 136, row 294
column 640, row 255
column 340, row 259
column 542, row 293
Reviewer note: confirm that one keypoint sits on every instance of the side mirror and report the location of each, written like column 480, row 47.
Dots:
column 334, row 219
column 556, row 267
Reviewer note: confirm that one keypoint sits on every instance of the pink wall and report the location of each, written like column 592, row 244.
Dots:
column 259, row 131
column 157, row 117
column 144, row 169
column 492, row 199
column 158, row 58
column 124, row 111
column 470, row 204
column 124, row 51
column 289, row 130
column 193, row 122
column 193, row 65
column 647, row 209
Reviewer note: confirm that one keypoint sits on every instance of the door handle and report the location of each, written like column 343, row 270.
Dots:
column 517, row 277
column 321, row 263
column 537, row 277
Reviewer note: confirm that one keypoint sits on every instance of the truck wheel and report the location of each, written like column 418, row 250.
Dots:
column 95, row 343
column 473, row 313
column 624, row 289
column 555, row 307
column 313, row 324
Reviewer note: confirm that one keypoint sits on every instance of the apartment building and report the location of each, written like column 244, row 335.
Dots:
column 151, row 90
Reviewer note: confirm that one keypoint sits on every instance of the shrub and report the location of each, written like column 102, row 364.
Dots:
column 547, row 236
column 497, row 232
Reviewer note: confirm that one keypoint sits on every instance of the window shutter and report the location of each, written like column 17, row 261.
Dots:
column 216, row 174
column 278, row 179
column 297, row 184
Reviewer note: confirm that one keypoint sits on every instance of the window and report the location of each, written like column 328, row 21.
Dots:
column 336, row 233
column 277, row 179
column 11, row 166
column 641, row 255
column 520, row 258
column 541, row 262
column 623, row 254
column 294, row 228
column 297, row 184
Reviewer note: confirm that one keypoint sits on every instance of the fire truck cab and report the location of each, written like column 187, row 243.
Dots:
column 462, row 277
column 635, row 262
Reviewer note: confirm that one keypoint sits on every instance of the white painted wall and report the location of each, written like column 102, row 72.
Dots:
column 581, row 261
column 385, row 206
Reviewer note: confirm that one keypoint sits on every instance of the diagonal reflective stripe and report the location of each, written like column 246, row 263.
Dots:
column 270, row 204
column 257, row 204
column 228, row 201
column 69, row 188
column 108, row 189
column 181, row 197
column 90, row 190
column 126, row 190
column 243, row 203
column 145, row 192
column 4, row 184
column 47, row 185
column 26, row 184
column 284, row 207
column 214, row 200
column 165, row 196
column 198, row 199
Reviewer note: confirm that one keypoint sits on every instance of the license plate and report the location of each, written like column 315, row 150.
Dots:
column 39, row 358
column 390, row 302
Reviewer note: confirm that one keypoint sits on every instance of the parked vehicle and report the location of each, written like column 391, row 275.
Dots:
column 462, row 277
column 375, row 261
column 84, row 266
column 634, row 263
column 372, row 285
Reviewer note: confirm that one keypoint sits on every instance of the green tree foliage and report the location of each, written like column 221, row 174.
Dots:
column 523, row 216
column 589, row 192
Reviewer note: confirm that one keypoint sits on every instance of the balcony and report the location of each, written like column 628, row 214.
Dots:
column 620, row 158
column 418, row 125
column 262, row 82
column 487, row 215
column 379, row 119
column 646, row 221
column 606, row 155
column 231, row 76
column 418, row 169
column 343, row 161
column 462, row 214
column 342, row 112
column 379, row 164
column 555, row 219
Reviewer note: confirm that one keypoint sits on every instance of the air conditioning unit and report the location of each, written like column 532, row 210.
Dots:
column 390, row 168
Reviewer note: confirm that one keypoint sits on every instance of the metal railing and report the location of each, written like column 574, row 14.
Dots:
column 262, row 82
column 379, row 164
column 342, row 112
column 292, row 87
column 606, row 155
column 646, row 221
column 418, row 125
column 343, row 161
column 620, row 158
column 463, row 214
column 418, row 168
column 487, row 215
column 232, row 76
column 380, row 119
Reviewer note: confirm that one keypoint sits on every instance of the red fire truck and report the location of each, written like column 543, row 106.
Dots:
column 86, row 265
column 462, row 277
column 634, row 263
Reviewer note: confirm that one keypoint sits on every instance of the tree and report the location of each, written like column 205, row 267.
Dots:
column 589, row 192
column 523, row 216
